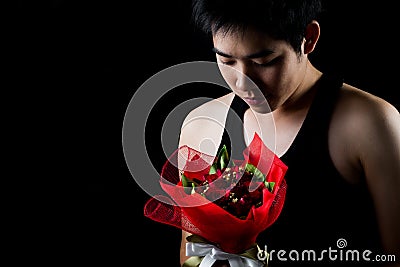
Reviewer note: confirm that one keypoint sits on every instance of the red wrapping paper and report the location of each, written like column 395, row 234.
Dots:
column 198, row 215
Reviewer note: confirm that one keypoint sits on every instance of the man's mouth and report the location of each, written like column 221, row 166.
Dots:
column 254, row 101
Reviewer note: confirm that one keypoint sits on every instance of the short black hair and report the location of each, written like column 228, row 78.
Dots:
column 281, row 19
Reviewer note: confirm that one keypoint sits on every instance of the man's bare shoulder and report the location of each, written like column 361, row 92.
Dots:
column 215, row 108
column 365, row 105
column 203, row 126
column 361, row 122
column 359, row 116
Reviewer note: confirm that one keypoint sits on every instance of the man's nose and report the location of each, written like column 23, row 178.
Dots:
column 244, row 81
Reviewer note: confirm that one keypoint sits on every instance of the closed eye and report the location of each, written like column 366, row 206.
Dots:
column 267, row 64
column 227, row 62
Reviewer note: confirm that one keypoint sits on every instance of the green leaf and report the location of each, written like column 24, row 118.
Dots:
column 221, row 162
column 269, row 185
column 213, row 169
column 185, row 180
column 223, row 157
column 187, row 184
column 257, row 173
column 193, row 187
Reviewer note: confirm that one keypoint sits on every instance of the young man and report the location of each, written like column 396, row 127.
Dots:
column 341, row 144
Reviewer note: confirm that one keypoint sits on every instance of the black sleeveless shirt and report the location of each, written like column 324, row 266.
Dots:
column 322, row 211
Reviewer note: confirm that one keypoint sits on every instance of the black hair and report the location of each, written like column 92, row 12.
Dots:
column 281, row 19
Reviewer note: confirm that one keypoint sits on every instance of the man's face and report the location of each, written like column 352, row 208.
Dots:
column 261, row 70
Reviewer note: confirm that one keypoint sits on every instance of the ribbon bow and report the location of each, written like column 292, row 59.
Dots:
column 210, row 254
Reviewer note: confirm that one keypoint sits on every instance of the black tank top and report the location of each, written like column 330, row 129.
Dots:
column 321, row 210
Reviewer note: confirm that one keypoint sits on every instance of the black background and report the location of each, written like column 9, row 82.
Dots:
column 77, row 66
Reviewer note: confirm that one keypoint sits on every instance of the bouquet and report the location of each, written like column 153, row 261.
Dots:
column 224, row 203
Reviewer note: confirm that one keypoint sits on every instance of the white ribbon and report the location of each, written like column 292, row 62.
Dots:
column 211, row 254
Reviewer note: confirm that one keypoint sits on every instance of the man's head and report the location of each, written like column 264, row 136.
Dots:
column 262, row 46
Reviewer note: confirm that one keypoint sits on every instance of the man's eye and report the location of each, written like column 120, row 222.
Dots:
column 267, row 64
column 227, row 62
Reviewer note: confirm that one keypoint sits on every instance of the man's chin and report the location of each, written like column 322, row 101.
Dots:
column 263, row 109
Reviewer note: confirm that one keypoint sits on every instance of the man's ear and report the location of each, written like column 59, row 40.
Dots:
column 311, row 36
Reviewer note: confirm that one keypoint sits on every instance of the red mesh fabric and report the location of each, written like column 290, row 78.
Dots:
column 164, row 211
column 197, row 215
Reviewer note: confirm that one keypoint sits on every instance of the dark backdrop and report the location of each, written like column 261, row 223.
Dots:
column 84, row 60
